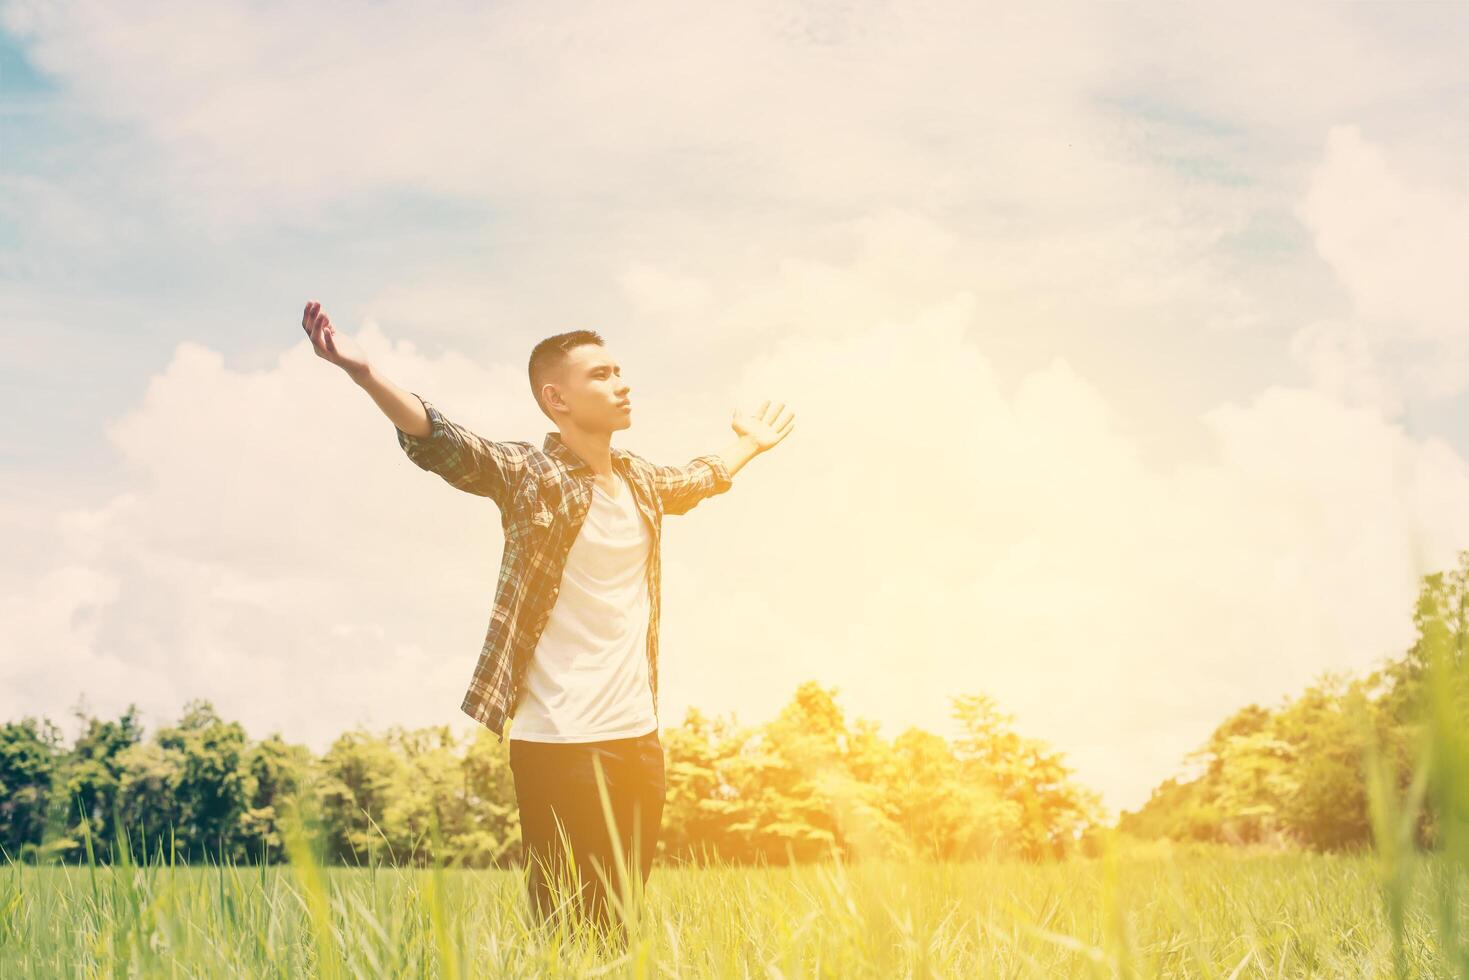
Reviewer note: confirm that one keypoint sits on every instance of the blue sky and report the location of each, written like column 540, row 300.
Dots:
column 1177, row 297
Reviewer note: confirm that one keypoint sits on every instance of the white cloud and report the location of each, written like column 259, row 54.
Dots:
column 1397, row 246
column 273, row 111
column 1340, row 360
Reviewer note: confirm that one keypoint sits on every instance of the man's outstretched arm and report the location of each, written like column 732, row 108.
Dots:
column 681, row 487
column 465, row 460
column 402, row 408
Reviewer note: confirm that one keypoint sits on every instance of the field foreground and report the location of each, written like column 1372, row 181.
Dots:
column 1194, row 914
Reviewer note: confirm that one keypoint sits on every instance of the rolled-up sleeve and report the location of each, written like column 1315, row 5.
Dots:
column 465, row 460
column 681, row 487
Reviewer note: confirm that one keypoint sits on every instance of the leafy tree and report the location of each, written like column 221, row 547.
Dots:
column 1054, row 810
column 785, row 777
column 29, row 754
column 1328, row 727
column 1296, row 774
column 487, row 833
column 809, row 782
column 1178, row 809
column 210, row 793
column 944, row 812
column 701, row 800
column 275, row 771
column 362, row 780
column 86, row 790
column 149, row 800
column 432, row 791
column 1256, row 777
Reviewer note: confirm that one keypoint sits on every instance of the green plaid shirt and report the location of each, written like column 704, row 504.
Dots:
column 543, row 495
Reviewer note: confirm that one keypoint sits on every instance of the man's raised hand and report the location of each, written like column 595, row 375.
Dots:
column 767, row 426
column 330, row 345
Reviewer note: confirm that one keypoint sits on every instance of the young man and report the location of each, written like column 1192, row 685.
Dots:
column 572, row 647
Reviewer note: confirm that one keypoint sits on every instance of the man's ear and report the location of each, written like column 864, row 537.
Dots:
column 551, row 395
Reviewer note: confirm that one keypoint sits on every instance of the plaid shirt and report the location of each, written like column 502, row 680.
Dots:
column 543, row 495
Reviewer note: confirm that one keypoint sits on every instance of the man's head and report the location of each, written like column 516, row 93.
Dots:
column 577, row 382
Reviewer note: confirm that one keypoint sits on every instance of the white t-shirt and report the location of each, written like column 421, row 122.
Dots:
column 588, row 677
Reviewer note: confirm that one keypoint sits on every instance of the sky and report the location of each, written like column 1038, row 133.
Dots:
column 1128, row 347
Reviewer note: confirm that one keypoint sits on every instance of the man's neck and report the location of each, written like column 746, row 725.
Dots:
column 594, row 447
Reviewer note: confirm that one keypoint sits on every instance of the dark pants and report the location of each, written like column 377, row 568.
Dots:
column 556, row 781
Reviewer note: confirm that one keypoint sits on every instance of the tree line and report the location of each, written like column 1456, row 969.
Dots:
column 797, row 788
column 808, row 783
column 1301, row 773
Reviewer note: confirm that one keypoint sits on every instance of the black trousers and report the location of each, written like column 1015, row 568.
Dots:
column 556, row 793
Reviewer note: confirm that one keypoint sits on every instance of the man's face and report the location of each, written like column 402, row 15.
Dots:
column 592, row 390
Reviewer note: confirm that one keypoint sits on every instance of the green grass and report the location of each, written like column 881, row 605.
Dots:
column 1138, row 911
column 1193, row 913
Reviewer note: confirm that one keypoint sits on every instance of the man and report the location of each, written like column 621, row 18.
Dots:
column 571, row 655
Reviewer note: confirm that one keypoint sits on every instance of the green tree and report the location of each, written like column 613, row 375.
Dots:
column 275, row 771
column 488, row 832
column 431, row 789
column 944, row 813
column 210, row 793
column 362, row 778
column 149, row 799
column 1054, row 810
column 1329, row 728
column 702, row 802
column 30, row 751
column 86, row 791
column 785, row 778
column 1297, row 773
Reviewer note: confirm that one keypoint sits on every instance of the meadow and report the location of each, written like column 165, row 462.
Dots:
column 1145, row 912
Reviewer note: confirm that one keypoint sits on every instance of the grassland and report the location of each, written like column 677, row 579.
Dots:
column 1185, row 913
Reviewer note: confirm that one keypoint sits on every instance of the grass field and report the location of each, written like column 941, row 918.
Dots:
column 1194, row 913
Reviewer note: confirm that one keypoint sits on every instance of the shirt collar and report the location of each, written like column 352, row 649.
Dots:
column 556, row 447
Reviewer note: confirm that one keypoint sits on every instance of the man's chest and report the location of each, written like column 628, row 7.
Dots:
column 553, row 509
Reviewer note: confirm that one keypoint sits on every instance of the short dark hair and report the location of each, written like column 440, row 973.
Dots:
column 549, row 353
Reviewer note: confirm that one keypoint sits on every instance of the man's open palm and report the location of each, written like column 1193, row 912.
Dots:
column 768, row 426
